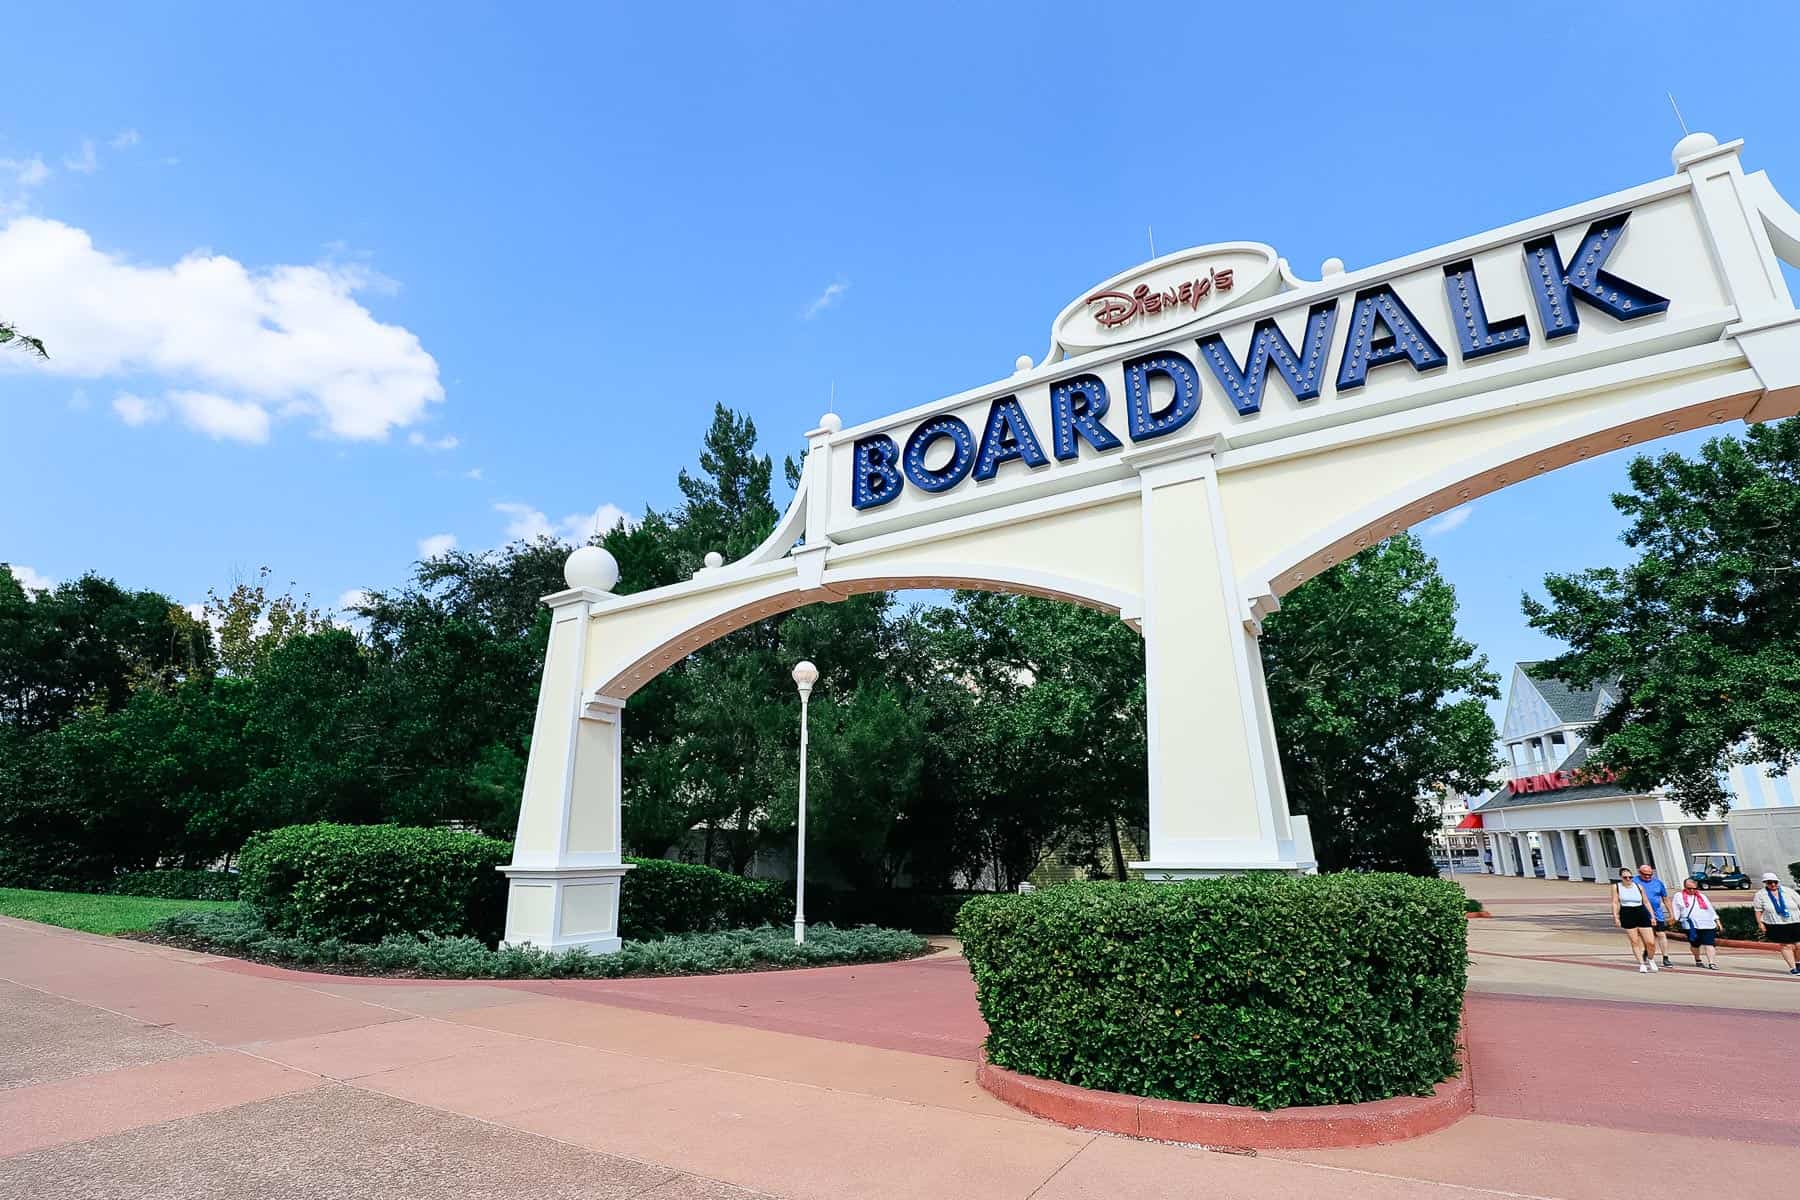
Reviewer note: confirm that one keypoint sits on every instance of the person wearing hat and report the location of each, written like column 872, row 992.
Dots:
column 1777, row 910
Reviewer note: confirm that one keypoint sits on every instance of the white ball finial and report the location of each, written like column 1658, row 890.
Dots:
column 1692, row 144
column 714, row 560
column 1331, row 266
column 1022, row 364
column 805, row 675
column 592, row 567
column 831, row 422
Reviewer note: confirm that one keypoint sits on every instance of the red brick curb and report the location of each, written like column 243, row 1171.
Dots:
column 1476, row 916
column 1228, row 1127
column 1741, row 944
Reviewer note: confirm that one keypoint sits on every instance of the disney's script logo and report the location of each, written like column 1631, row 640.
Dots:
column 1112, row 309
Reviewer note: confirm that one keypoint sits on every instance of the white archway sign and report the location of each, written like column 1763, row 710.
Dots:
column 1206, row 432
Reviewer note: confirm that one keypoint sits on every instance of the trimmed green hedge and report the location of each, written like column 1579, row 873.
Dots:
column 240, row 931
column 898, row 908
column 361, row 883
column 662, row 897
column 1261, row 990
column 1738, row 921
column 177, row 883
column 1471, row 904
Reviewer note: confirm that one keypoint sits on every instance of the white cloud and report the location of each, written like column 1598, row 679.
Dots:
column 1448, row 522
column 222, row 418
column 825, row 299
column 448, row 442
column 354, row 598
column 125, row 138
column 291, row 341
column 472, row 473
column 436, row 544
column 29, row 579
column 135, row 410
column 26, row 172
column 530, row 523
column 84, row 163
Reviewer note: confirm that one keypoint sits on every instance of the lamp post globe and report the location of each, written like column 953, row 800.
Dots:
column 805, row 675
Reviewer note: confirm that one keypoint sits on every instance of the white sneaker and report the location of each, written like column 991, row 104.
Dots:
column 1653, row 965
column 1642, row 969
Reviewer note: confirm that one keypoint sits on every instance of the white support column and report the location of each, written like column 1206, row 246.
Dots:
column 1627, row 853
column 564, row 879
column 1496, row 864
column 1571, row 855
column 1217, row 802
column 1675, row 857
column 1596, row 853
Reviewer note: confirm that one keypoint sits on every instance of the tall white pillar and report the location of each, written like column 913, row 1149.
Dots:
column 1571, row 856
column 564, row 879
column 1595, row 852
column 1525, row 865
column 1496, row 863
column 1217, row 801
column 1675, row 854
column 1627, row 853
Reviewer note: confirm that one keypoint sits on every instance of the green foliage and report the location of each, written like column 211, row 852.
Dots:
column 661, row 897
column 1267, row 991
column 898, row 908
column 1738, row 921
column 177, row 883
column 10, row 337
column 92, row 913
column 361, row 883
column 1376, row 700
column 1471, row 904
column 240, row 931
column 1702, row 631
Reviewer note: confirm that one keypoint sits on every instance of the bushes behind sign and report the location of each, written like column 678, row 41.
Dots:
column 1266, row 991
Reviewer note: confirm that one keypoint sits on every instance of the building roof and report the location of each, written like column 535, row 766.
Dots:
column 1573, row 706
column 1502, row 797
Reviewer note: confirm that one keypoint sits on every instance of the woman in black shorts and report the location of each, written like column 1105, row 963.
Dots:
column 1631, row 912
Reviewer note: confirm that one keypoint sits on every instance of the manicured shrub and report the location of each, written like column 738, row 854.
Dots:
column 1471, row 904
column 1794, row 873
column 361, row 883
column 177, row 883
column 1738, row 921
column 1261, row 990
column 241, row 932
column 662, row 897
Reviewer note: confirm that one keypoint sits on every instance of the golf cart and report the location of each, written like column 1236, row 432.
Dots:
column 1718, row 869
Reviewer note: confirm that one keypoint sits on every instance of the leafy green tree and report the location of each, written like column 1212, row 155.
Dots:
column 250, row 624
column 10, row 337
column 89, row 643
column 1702, row 631
column 1376, row 701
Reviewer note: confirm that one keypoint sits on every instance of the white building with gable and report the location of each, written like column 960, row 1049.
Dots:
column 1555, row 816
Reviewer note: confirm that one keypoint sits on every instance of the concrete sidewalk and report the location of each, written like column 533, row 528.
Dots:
column 134, row 1070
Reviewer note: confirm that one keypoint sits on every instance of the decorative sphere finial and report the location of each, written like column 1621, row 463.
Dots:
column 714, row 560
column 1023, row 363
column 1331, row 266
column 831, row 422
column 1692, row 144
column 591, row 567
column 805, row 675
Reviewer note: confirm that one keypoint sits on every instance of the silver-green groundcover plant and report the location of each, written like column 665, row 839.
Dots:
column 239, row 932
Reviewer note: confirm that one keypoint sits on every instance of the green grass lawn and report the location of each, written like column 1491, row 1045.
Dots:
column 95, row 914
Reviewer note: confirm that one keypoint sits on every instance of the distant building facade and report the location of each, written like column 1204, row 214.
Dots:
column 1556, row 816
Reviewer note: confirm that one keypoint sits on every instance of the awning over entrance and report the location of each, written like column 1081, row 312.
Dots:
column 1472, row 821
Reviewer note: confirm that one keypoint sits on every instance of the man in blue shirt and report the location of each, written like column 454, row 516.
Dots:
column 1657, row 892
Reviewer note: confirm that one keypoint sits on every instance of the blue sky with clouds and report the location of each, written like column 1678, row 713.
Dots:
column 331, row 284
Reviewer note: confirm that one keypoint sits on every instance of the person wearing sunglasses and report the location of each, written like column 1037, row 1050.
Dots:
column 1777, row 912
column 1631, row 912
column 1701, row 920
column 1657, row 892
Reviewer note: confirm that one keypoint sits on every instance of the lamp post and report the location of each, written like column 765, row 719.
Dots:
column 805, row 675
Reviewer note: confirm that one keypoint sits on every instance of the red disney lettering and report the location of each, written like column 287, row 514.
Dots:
column 1112, row 309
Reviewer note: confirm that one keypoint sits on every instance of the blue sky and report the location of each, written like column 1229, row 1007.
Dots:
column 490, row 235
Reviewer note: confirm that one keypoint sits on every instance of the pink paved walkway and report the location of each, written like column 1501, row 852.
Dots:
column 128, row 1070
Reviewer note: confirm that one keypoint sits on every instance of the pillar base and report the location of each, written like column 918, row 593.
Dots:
column 560, row 908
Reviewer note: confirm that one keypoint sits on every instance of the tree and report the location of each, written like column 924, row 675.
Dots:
column 250, row 624
column 1376, row 701
column 10, row 337
column 1702, row 631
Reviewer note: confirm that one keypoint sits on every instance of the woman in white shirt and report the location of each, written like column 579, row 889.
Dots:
column 1777, row 910
column 1631, row 912
column 1701, row 920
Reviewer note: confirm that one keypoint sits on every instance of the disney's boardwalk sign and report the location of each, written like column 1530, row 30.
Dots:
column 1206, row 432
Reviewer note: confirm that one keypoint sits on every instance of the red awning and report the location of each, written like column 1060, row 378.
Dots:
column 1472, row 821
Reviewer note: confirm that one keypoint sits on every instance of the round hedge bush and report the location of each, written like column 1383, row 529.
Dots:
column 1260, row 990
column 361, row 883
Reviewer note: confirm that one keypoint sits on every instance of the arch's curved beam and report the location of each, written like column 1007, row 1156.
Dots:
column 1507, row 449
